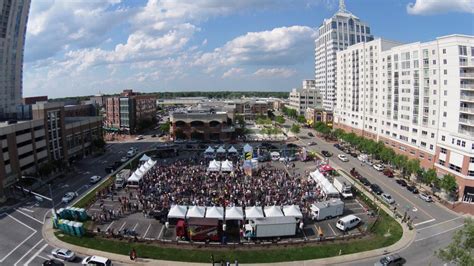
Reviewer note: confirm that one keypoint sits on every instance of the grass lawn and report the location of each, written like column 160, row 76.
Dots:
column 254, row 255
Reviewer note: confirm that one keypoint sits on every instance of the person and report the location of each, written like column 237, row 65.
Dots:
column 133, row 254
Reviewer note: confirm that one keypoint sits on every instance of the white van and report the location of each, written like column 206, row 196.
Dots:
column 96, row 260
column 348, row 222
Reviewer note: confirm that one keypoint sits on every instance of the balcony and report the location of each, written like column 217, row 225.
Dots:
column 469, row 86
column 466, row 75
column 469, row 110
column 469, row 98
column 466, row 121
column 469, row 132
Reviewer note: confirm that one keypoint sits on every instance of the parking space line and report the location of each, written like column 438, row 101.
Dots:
column 20, row 222
column 36, row 254
column 135, row 227
column 42, row 257
column 109, row 225
column 26, row 210
column 330, row 227
column 124, row 223
column 29, row 216
column 146, row 232
column 424, row 222
column 28, row 252
column 445, row 231
column 161, row 231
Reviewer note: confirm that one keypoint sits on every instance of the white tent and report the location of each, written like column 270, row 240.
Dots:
column 134, row 180
column 227, row 166
column 248, row 148
column 144, row 158
column 327, row 187
column 144, row 169
column 232, row 150
column 215, row 212
column 317, row 176
column 221, row 150
column 196, row 212
column 149, row 164
column 234, row 213
column 177, row 211
column 214, row 166
column 292, row 211
column 253, row 212
column 273, row 211
column 209, row 150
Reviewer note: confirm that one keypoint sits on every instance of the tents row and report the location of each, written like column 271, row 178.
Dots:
column 233, row 213
column 136, row 177
column 221, row 149
column 326, row 186
column 220, row 166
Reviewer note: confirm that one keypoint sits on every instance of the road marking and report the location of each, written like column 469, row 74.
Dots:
column 447, row 221
column 28, row 252
column 44, row 258
column 109, row 225
column 330, row 227
column 135, row 227
column 29, row 216
column 26, row 210
column 35, row 255
column 146, row 232
column 437, row 234
column 22, row 242
column 425, row 222
column 161, row 231
column 124, row 223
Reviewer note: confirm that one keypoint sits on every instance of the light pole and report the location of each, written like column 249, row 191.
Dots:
column 39, row 195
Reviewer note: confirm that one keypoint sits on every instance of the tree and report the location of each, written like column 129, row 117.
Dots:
column 280, row 119
column 295, row 128
column 165, row 127
column 460, row 250
column 239, row 119
column 448, row 183
column 301, row 119
column 429, row 177
column 413, row 166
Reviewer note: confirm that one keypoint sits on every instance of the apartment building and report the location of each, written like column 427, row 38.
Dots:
column 417, row 98
column 335, row 34
column 305, row 97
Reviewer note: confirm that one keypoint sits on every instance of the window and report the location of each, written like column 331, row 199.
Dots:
column 444, row 124
column 445, row 103
column 455, row 167
column 444, row 51
column 445, row 61
column 445, row 93
column 463, row 144
column 471, row 160
column 431, row 146
column 445, row 82
column 443, row 151
column 462, row 50
column 434, row 62
column 470, row 173
column 445, row 72
column 423, row 144
column 445, row 114
column 432, row 135
column 443, row 138
column 441, row 162
column 424, row 133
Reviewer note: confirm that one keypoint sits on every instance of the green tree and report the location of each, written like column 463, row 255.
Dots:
column 295, row 128
column 448, row 183
column 460, row 250
column 301, row 119
column 165, row 127
column 262, row 120
column 413, row 166
column 429, row 176
column 280, row 119
column 239, row 119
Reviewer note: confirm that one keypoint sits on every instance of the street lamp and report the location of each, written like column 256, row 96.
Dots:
column 39, row 195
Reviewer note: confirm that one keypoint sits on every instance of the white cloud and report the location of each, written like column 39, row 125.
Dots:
column 429, row 7
column 274, row 73
column 233, row 72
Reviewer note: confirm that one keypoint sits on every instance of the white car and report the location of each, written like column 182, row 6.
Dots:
column 68, row 197
column 139, row 137
column 123, row 159
column 426, row 197
column 388, row 198
column 343, row 157
column 94, row 179
column 96, row 260
column 378, row 167
column 64, row 254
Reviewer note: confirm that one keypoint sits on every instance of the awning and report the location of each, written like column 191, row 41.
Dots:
column 253, row 212
column 292, row 211
column 227, row 166
column 248, row 148
column 209, row 150
column 234, row 213
column 273, row 211
column 214, row 166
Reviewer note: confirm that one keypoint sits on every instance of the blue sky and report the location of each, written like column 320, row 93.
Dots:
column 91, row 46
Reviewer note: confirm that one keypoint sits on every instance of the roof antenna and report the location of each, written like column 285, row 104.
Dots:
column 342, row 6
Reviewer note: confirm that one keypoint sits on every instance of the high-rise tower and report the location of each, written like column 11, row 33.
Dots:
column 335, row 34
column 13, row 19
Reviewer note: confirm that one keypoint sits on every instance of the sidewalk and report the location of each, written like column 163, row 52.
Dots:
column 406, row 240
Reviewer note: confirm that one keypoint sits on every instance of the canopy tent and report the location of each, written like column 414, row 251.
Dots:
column 317, row 176
column 144, row 158
column 209, row 150
column 234, row 213
column 221, row 150
column 177, row 211
column 144, row 169
column 292, row 211
column 214, row 166
column 196, row 212
column 248, row 148
column 327, row 187
column 232, row 150
column 135, row 178
column 325, row 168
column 150, row 163
column 227, row 166
column 253, row 212
column 215, row 212
column 273, row 211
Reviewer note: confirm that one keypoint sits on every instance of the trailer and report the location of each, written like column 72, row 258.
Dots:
column 199, row 229
column 269, row 227
column 343, row 186
column 327, row 209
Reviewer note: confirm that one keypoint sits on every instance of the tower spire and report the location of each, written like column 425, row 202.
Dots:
column 342, row 6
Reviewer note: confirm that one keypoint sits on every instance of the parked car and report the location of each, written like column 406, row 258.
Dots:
column 390, row 260
column 412, row 189
column 96, row 260
column 326, row 153
column 94, row 179
column 153, row 136
column 426, row 197
column 123, row 159
column 139, row 137
column 68, row 197
column 53, row 262
column 343, row 157
column 388, row 198
column 365, row 182
column 401, row 182
column 388, row 173
column 161, row 135
column 376, row 189
column 312, row 143
column 64, row 254
column 337, row 146
column 378, row 167
column 310, row 134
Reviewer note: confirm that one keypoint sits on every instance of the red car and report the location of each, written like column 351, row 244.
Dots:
column 388, row 173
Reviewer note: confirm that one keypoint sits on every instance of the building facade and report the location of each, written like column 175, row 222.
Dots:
column 335, row 34
column 314, row 115
column 13, row 19
column 306, row 97
column 417, row 98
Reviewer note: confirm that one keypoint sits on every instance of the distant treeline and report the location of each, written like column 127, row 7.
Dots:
column 207, row 94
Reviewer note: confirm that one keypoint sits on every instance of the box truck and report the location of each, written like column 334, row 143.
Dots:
column 270, row 227
column 327, row 209
column 343, row 186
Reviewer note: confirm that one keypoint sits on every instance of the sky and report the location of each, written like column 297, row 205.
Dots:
column 86, row 47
